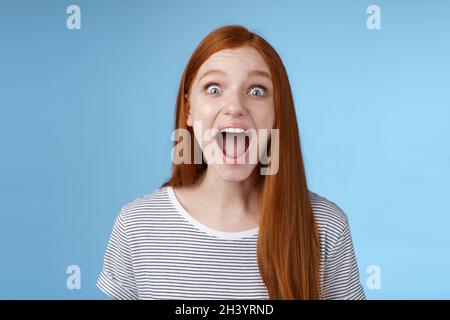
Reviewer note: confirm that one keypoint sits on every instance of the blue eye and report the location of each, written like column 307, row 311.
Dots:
column 258, row 90
column 212, row 88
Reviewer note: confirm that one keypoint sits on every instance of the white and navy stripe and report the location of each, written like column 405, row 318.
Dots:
column 158, row 251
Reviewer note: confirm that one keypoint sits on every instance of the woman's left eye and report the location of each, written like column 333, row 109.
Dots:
column 258, row 91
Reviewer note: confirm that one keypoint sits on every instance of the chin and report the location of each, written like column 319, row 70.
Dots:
column 234, row 172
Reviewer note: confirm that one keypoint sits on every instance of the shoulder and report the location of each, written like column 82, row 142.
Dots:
column 331, row 220
column 333, row 228
column 156, row 201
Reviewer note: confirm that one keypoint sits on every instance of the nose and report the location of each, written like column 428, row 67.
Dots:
column 234, row 106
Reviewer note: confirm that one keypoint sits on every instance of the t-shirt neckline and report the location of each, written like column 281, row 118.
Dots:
column 208, row 230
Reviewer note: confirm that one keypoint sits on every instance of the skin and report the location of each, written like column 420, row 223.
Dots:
column 226, row 197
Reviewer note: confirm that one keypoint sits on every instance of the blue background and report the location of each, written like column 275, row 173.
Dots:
column 86, row 117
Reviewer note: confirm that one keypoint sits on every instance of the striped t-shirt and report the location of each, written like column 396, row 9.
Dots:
column 157, row 250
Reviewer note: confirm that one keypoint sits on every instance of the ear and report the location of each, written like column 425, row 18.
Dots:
column 188, row 111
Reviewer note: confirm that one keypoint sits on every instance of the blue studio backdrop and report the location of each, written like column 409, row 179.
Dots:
column 87, row 97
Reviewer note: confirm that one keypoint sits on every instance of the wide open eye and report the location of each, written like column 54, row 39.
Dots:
column 258, row 91
column 212, row 88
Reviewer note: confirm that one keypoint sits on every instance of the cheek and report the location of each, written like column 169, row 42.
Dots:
column 264, row 116
column 203, row 116
column 201, row 109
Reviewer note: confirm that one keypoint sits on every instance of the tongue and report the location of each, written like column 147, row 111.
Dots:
column 234, row 145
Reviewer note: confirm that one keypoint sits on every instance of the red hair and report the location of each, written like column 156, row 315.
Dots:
column 288, row 244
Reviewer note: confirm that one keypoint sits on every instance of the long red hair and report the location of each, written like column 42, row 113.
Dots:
column 288, row 247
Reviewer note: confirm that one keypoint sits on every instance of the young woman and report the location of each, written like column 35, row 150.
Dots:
column 223, row 229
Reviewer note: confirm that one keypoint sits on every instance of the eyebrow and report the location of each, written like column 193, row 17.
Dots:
column 250, row 73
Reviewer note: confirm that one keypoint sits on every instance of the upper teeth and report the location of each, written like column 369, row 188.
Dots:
column 233, row 130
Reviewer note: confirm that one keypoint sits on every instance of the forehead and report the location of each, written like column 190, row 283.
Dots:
column 236, row 59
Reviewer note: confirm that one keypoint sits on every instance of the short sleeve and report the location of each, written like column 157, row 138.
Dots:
column 341, row 276
column 117, row 276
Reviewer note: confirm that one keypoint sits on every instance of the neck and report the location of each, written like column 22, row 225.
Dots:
column 230, row 197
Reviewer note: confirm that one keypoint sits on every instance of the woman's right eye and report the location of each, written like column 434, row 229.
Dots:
column 212, row 88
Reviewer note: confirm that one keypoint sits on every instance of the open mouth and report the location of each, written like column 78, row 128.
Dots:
column 234, row 142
